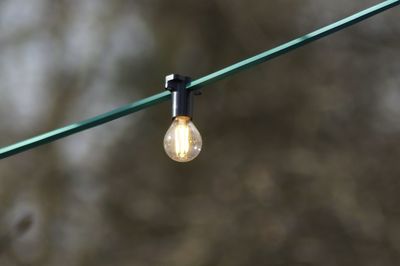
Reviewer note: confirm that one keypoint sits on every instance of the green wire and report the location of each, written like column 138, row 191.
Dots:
column 196, row 84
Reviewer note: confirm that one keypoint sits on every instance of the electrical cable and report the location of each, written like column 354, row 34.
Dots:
column 196, row 84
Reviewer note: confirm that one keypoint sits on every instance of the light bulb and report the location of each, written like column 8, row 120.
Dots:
column 182, row 142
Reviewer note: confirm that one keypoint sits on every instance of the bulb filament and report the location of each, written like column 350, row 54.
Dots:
column 182, row 137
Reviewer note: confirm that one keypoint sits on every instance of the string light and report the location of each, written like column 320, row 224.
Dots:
column 182, row 142
column 195, row 141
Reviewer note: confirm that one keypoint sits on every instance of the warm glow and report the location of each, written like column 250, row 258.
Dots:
column 182, row 141
column 182, row 138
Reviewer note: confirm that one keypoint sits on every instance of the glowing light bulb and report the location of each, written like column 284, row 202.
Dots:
column 182, row 142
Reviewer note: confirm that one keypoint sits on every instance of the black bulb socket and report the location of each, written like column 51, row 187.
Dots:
column 182, row 98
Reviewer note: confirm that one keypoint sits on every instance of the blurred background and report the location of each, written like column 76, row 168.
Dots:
column 300, row 163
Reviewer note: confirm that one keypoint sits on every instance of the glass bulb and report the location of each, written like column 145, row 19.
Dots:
column 182, row 142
